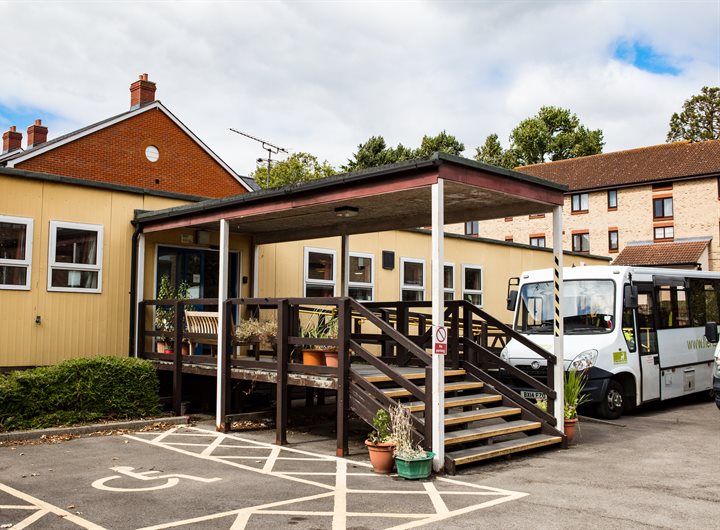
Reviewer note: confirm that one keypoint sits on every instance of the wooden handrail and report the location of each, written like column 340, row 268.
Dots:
column 396, row 377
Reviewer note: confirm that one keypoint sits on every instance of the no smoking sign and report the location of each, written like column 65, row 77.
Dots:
column 440, row 347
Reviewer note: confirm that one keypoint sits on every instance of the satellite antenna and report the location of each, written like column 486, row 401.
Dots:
column 272, row 149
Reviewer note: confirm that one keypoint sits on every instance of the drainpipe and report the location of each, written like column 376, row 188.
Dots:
column 133, row 286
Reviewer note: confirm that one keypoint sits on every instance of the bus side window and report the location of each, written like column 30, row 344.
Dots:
column 703, row 302
column 628, row 327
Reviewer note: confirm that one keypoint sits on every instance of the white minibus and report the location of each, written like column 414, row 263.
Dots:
column 639, row 333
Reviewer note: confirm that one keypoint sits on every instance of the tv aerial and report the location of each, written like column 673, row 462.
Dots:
column 272, row 149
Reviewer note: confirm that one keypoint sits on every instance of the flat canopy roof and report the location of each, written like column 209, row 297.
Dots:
column 386, row 198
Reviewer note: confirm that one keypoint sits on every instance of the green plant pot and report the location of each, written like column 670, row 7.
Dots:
column 416, row 468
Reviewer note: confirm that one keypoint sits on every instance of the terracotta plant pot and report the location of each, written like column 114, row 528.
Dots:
column 331, row 359
column 381, row 456
column 160, row 346
column 314, row 357
column 570, row 429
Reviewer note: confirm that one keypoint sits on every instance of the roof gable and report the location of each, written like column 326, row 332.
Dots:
column 100, row 152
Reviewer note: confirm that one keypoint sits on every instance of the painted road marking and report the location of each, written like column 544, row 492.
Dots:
column 173, row 479
column 346, row 485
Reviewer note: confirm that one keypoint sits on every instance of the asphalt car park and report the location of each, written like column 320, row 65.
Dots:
column 658, row 468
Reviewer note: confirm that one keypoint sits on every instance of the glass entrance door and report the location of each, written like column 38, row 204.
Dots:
column 649, row 358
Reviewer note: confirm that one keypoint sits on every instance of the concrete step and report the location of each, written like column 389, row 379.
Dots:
column 485, row 452
column 490, row 431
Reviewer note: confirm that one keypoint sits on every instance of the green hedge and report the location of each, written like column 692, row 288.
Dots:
column 78, row 391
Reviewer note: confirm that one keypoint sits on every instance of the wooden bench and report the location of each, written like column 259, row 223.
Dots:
column 202, row 323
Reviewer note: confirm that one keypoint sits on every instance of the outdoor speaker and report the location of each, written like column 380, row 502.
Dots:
column 388, row 259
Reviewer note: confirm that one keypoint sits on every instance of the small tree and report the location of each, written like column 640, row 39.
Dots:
column 297, row 168
column 699, row 119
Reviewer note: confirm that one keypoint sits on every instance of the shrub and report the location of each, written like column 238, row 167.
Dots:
column 77, row 391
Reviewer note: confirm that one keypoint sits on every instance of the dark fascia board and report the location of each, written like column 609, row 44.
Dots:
column 489, row 241
column 436, row 159
column 20, row 173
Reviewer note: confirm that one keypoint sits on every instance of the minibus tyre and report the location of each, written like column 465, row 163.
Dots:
column 612, row 404
column 717, row 399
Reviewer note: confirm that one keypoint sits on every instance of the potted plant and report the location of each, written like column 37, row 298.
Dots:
column 253, row 330
column 380, row 443
column 574, row 397
column 321, row 325
column 165, row 314
column 412, row 461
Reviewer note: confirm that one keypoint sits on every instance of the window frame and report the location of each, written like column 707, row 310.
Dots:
column 54, row 265
column 451, row 289
column 312, row 281
column 27, row 262
column 612, row 193
column 616, row 248
column 537, row 239
column 579, row 209
column 364, row 285
column 480, row 291
column 416, row 288
column 664, row 229
column 661, row 200
column 580, row 234
column 474, row 228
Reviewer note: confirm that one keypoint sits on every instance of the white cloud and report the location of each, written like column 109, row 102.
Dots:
column 324, row 76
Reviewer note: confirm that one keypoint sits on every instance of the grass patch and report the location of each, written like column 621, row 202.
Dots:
column 78, row 391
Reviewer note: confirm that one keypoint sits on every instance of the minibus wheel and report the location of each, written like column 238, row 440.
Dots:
column 612, row 404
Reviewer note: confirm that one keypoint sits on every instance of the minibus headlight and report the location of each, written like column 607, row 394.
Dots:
column 584, row 360
column 504, row 354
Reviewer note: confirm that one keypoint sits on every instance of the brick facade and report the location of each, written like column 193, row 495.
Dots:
column 116, row 154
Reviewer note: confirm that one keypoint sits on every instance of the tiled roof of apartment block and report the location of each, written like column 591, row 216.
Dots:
column 679, row 252
column 634, row 166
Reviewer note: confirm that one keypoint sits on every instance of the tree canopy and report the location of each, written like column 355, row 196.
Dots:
column 298, row 167
column 552, row 134
column 375, row 152
column 699, row 119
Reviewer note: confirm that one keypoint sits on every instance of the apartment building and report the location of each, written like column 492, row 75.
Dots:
column 656, row 205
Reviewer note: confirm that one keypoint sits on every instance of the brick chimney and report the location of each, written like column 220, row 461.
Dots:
column 12, row 140
column 142, row 92
column 37, row 134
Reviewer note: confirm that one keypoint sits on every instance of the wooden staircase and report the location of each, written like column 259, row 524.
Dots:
column 480, row 422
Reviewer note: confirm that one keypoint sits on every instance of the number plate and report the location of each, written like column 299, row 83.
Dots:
column 532, row 394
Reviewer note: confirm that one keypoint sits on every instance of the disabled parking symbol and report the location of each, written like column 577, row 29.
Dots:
column 171, row 480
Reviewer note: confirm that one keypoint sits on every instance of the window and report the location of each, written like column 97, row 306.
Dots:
column 15, row 252
column 704, row 301
column 472, row 284
column 580, row 202
column 672, row 307
column 360, row 285
column 75, row 258
column 471, row 228
column 663, row 208
column 581, row 242
column 612, row 199
column 412, row 279
column 664, row 232
column 613, row 240
column 319, row 272
column 449, row 281
column 537, row 241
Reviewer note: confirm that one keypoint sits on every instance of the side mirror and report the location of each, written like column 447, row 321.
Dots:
column 512, row 300
column 711, row 332
column 631, row 297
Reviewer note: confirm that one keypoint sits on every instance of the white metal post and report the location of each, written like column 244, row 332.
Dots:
column 139, row 286
column 438, row 306
column 559, row 327
column 222, row 298
column 345, row 265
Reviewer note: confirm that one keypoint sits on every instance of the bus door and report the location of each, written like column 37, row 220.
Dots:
column 648, row 351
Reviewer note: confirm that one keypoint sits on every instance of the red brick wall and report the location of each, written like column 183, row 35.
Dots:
column 117, row 155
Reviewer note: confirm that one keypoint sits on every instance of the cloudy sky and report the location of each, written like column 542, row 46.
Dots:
column 323, row 76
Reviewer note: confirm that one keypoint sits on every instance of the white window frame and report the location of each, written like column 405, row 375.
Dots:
column 306, row 263
column 403, row 287
column 364, row 285
column 482, row 283
column 52, row 264
column 449, row 289
column 27, row 262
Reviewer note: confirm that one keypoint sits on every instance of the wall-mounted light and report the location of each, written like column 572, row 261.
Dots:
column 346, row 211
